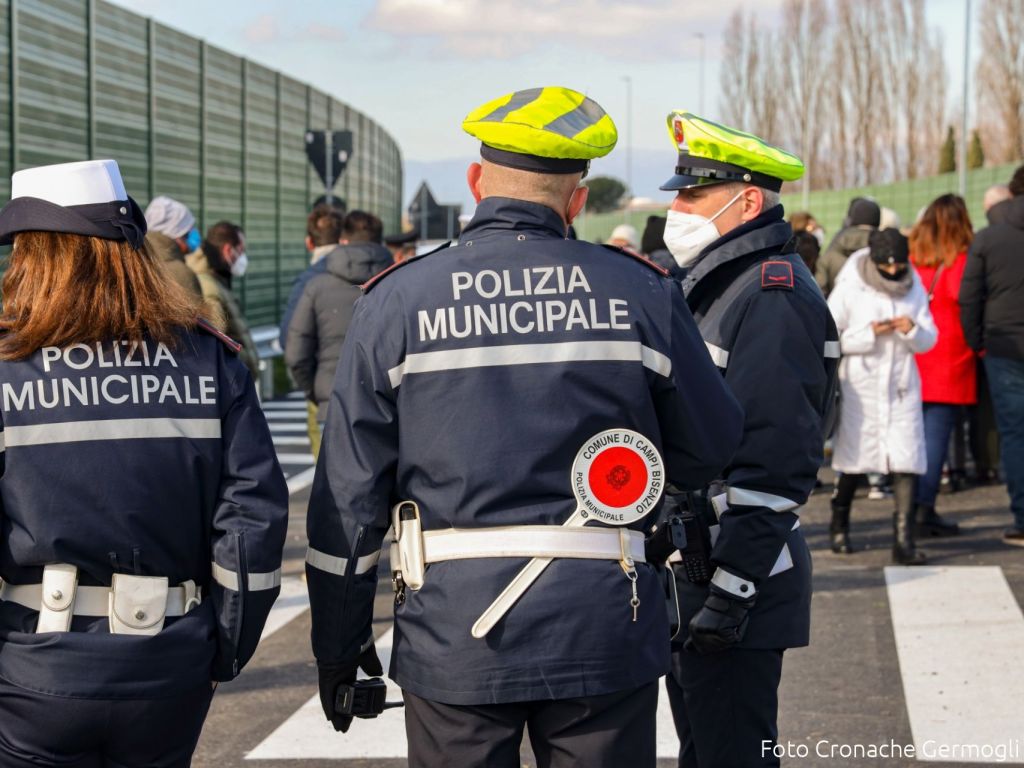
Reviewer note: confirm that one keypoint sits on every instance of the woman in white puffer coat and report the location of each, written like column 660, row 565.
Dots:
column 881, row 310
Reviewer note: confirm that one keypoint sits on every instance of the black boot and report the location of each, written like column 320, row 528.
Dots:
column 840, row 529
column 930, row 524
column 903, row 550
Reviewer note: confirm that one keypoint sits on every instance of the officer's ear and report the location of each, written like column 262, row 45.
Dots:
column 576, row 203
column 753, row 203
column 473, row 175
column 309, row 244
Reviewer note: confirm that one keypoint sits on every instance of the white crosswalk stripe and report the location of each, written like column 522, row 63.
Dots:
column 306, row 735
column 296, row 427
column 291, row 603
column 289, row 440
column 928, row 607
column 286, row 418
column 950, row 695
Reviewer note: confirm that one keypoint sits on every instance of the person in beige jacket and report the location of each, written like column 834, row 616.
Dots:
column 219, row 258
column 171, row 228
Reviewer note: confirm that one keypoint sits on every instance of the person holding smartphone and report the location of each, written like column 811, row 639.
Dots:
column 881, row 310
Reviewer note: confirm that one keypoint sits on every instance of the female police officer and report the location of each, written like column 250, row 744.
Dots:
column 142, row 509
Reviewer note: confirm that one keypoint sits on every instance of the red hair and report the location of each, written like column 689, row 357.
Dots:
column 62, row 289
column 943, row 232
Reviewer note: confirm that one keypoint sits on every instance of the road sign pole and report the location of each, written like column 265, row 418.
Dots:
column 328, row 166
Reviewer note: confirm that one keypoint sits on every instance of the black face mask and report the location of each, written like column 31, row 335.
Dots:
column 896, row 277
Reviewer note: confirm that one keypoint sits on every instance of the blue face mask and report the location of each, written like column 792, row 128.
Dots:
column 193, row 240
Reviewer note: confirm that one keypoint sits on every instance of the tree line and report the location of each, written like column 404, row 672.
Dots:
column 859, row 88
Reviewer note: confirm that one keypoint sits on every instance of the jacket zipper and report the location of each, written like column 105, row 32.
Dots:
column 243, row 591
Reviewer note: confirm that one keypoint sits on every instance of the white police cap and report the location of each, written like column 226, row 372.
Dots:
column 83, row 198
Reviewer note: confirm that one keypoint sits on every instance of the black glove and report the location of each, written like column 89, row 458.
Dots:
column 720, row 624
column 334, row 675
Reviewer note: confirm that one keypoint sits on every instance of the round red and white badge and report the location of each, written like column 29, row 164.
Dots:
column 617, row 477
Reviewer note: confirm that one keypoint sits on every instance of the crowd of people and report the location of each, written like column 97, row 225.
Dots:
column 647, row 427
column 932, row 338
column 346, row 249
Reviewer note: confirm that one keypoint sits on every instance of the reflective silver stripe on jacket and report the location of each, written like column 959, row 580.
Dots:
column 719, row 356
column 746, row 498
column 528, row 354
column 111, row 429
column 258, row 582
column 733, row 584
column 338, row 565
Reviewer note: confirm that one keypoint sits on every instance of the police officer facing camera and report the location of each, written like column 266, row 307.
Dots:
column 512, row 406
column 142, row 508
column 769, row 330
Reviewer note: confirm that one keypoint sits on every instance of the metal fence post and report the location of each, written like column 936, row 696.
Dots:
column 309, row 116
column 15, row 116
column 244, row 175
column 90, row 66
column 151, row 85
column 202, row 136
column 277, row 201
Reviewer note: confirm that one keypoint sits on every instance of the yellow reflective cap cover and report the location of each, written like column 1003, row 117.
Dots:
column 700, row 138
column 545, row 122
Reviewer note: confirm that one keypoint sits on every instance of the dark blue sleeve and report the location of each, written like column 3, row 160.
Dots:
column 777, row 371
column 352, row 487
column 250, row 521
column 701, row 421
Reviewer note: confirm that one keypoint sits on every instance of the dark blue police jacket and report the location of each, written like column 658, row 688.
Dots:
column 146, row 460
column 468, row 381
column 769, row 330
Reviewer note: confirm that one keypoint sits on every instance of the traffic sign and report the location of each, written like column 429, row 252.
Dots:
column 329, row 152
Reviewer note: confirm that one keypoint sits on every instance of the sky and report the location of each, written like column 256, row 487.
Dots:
column 418, row 66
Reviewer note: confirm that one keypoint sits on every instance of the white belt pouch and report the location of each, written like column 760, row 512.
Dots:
column 138, row 604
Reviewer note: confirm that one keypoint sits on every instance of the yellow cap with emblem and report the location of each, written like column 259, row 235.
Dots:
column 545, row 130
column 710, row 153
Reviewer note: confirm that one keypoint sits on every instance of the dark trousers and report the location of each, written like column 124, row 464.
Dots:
column 610, row 731
column 725, row 706
column 1006, row 382
column 940, row 419
column 42, row 731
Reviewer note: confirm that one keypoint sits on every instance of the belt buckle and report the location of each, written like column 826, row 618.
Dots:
column 398, row 587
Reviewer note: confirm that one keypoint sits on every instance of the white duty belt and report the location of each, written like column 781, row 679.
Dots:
column 135, row 605
column 533, row 541
column 414, row 549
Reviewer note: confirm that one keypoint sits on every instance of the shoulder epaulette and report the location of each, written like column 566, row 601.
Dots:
column 638, row 257
column 213, row 330
column 398, row 265
column 777, row 275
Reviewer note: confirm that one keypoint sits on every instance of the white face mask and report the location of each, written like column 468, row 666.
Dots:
column 240, row 264
column 819, row 235
column 687, row 234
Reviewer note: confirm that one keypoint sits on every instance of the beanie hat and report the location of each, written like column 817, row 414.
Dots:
column 169, row 217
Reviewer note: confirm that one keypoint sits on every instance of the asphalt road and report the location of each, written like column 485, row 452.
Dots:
column 850, row 687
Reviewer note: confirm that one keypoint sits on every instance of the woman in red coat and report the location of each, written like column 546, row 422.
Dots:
column 938, row 250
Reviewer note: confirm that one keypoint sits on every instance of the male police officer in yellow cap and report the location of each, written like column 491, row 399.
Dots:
column 512, row 406
column 768, row 329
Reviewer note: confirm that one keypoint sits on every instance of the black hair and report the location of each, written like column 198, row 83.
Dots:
column 362, row 227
